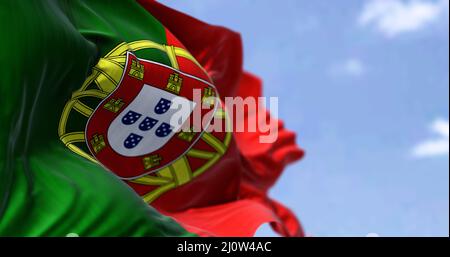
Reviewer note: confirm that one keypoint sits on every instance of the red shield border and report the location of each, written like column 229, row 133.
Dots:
column 128, row 88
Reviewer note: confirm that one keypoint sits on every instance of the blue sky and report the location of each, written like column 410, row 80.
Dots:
column 365, row 84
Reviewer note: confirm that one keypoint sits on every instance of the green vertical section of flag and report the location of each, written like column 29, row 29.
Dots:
column 109, row 23
column 47, row 49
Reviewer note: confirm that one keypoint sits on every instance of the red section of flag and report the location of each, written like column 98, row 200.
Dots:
column 231, row 198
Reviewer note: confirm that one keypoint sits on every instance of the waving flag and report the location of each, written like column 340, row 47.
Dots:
column 89, row 120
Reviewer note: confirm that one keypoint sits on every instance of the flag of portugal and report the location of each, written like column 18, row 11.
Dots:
column 86, row 141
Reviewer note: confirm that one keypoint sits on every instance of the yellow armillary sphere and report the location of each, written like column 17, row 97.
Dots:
column 104, row 79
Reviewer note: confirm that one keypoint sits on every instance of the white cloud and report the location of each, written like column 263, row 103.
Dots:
column 438, row 146
column 353, row 67
column 393, row 17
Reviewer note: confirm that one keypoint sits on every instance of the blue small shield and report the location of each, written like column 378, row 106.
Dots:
column 164, row 130
column 147, row 124
column 163, row 106
column 131, row 117
column 132, row 141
